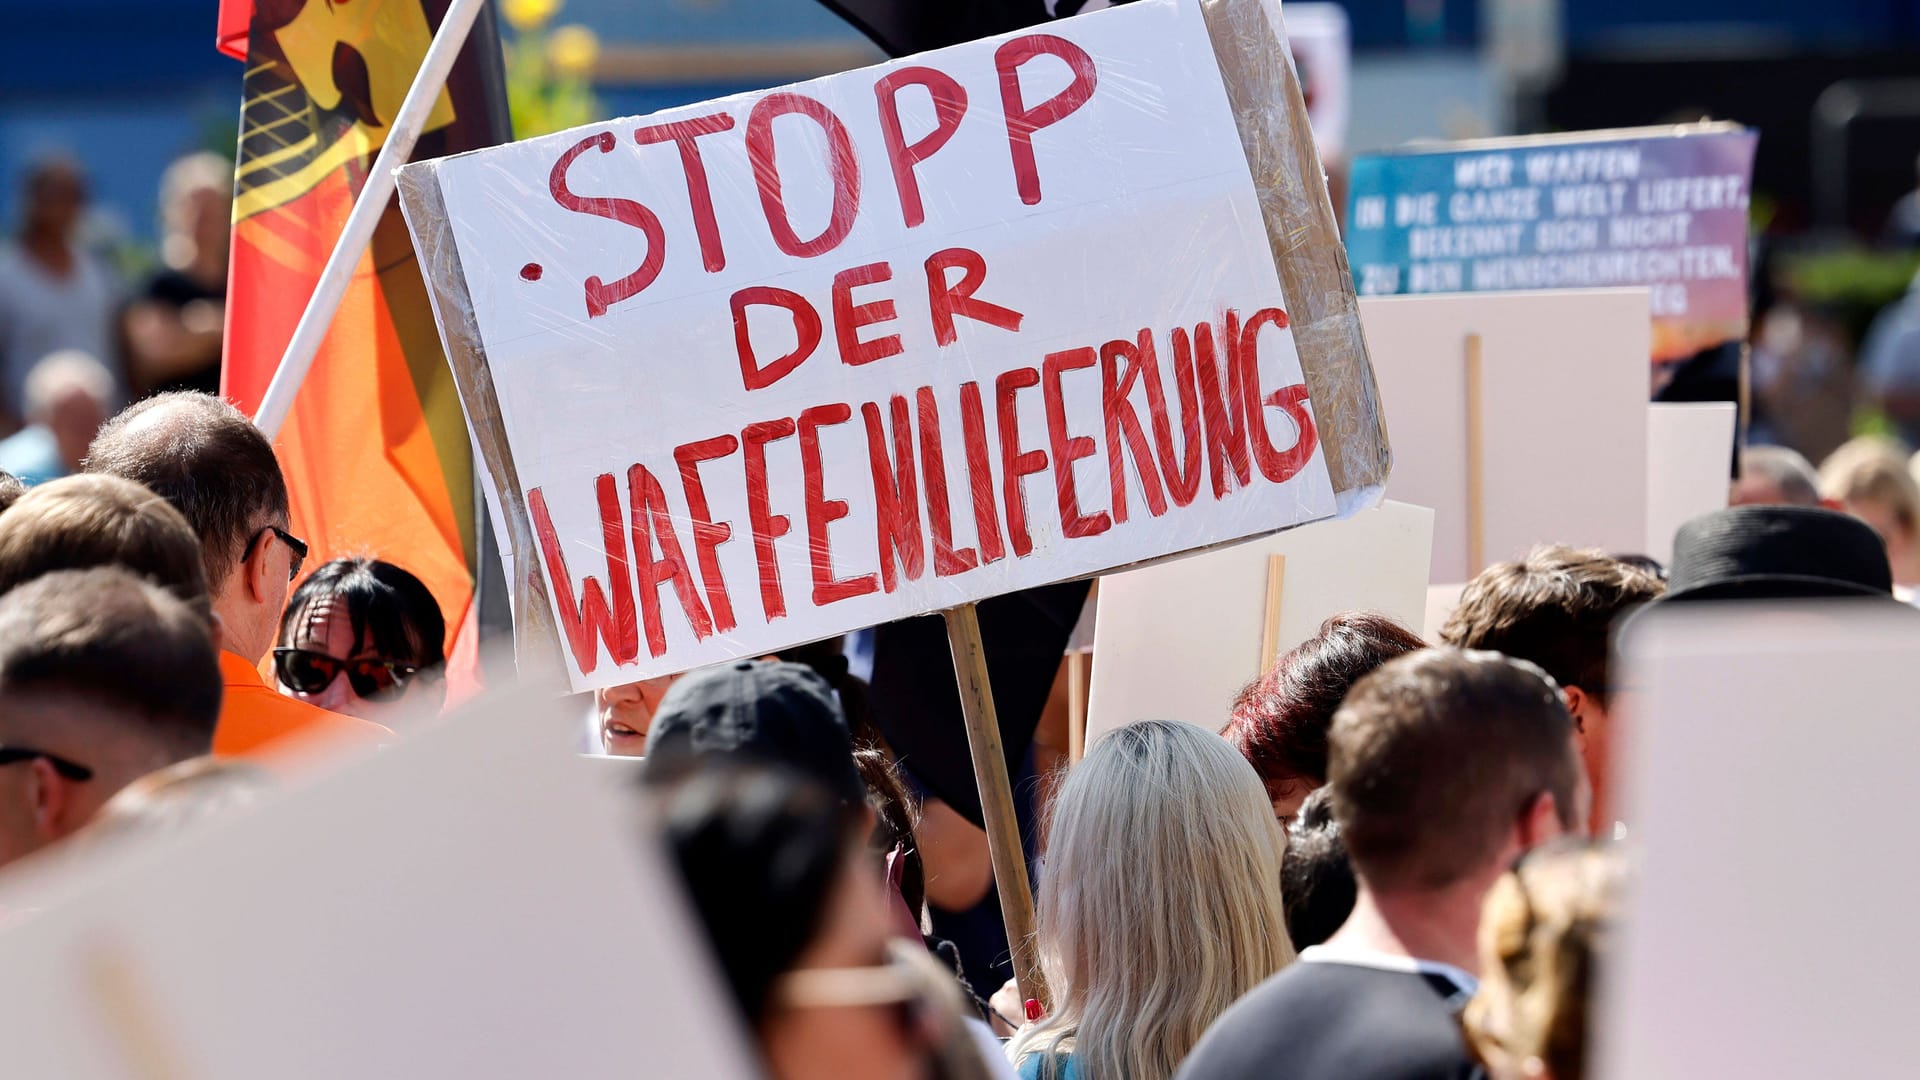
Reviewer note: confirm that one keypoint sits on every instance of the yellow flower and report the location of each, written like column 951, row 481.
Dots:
column 529, row 15
column 572, row 50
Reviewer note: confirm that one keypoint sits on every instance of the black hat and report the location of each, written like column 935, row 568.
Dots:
column 765, row 710
column 1777, row 553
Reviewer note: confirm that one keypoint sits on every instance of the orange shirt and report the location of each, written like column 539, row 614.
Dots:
column 255, row 718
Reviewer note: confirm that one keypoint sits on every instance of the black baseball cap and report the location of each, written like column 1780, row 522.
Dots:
column 767, row 711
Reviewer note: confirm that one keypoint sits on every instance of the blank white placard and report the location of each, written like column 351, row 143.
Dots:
column 1178, row 640
column 1565, row 430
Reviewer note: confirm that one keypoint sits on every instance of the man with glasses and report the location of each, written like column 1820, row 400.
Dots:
column 208, row 460
column 104, row 678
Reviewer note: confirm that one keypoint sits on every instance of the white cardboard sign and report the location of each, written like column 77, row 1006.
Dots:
column 1564, row 417
column 473, row 901
column 1689, row 466
column 1179, row 640
column 787, row 364
column 1768, row 786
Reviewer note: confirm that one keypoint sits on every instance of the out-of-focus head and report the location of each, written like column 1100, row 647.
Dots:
column 1161, row 902
column 756, row 710
column 797, row 919
column 1775, row 475
column 1444, row 765
column 1279, row 721
column 625, row 713
column 183, row 795
column 365, row 638
column 1315, row 876
column 10, row 490
column 55, row 190
column 206, row 458
column 103, row 679
column 69, row 394
column 1868, row 478
column 196, row 209
column 78, row 522
column 1546, row 927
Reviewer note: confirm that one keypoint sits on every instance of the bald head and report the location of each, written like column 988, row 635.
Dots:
column 1775, row 475
column 207, row 459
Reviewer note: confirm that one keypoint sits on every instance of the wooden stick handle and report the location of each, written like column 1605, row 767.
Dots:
column 1079, row 677
column 1476, row 463
column 1270, row 622
column 996, row 798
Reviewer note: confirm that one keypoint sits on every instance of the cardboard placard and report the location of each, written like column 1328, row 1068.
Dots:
column 788, row 364
column 1179, row 640
column 1689, row 466
column 1562, row 433
column 473, row 901
column 1768, row 785
column 1660, row 207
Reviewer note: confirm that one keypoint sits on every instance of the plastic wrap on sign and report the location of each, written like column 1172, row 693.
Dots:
column 778, row 366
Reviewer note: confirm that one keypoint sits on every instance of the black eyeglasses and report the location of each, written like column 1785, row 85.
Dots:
column 294, row 544
column 311, row 672
column 72, row 770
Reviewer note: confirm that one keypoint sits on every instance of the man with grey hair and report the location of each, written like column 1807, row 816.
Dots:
column 1775, row 476
column 69, row 395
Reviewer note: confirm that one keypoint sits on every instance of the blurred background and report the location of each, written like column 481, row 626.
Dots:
column 125, row 87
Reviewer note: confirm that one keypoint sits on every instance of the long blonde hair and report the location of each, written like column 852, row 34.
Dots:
column 1159, row 903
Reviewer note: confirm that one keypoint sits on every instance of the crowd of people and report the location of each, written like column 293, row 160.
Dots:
column 1379, row 866
column 1395, row 857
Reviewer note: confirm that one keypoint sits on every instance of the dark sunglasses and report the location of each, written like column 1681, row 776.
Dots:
column 311, row 672
column 72, row 770
column 294, row 544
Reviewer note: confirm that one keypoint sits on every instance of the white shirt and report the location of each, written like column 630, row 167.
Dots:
column 42, row 314
column 1465, row 984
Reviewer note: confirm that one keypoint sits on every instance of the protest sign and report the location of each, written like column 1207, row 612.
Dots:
column 1768, row 776
column 1689, row 466
column 1547, row 444
column 474, row 901
column 788, row 364
column 1660, row 207
column 1178, row 641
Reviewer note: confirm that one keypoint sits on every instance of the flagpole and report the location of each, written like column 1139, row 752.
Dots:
column 402, row 133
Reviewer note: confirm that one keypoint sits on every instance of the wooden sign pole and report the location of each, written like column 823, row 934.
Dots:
column 1270, row 621
column 1476, row 463
column 996, row 798
column 1079, row 682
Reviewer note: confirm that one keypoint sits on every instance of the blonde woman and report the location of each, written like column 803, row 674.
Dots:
column 1868, row 478
column 1543, row 930
column 1158, row 906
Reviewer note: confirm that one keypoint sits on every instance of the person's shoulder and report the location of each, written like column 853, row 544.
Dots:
column 254, row 718
column 1322, row 1020
column 1252, row 1036
column 1032, row 1067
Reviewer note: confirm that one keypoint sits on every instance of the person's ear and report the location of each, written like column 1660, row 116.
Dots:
column 1577, row 700
column 1540, row 821
column 257, row 572
column 52, row 800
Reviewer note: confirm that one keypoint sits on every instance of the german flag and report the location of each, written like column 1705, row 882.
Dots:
column 375, row 450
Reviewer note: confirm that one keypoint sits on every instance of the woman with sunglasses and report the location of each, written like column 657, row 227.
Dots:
column 796, row 913
column 365, row 638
